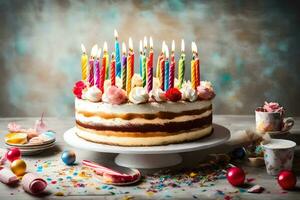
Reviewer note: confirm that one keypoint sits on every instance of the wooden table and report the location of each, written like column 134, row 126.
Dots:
column 232, row 122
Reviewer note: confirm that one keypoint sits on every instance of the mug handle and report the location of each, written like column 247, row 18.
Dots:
column 288, row 123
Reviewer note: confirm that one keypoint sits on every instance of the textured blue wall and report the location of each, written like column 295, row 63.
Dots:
column 248, row 49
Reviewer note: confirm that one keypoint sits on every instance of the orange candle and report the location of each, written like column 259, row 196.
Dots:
column 113, row 70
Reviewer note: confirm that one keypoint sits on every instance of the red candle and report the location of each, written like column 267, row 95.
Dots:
column 150, row 75
column 132, row 63
column 102, row 73
column 91, row 71
column 113, row 70
column 172, row 74
column 162, row 73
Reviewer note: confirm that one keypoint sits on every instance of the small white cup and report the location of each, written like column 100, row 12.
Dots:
column 278, row 155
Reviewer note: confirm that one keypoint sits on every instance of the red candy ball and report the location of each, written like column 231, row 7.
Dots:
column 287, row 180
column 235, row 176
column 13, row 154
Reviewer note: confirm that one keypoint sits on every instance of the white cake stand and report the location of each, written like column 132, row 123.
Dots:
column 150, row 157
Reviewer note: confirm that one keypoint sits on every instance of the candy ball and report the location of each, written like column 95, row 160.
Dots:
column 238, row 153
column 68, row 157
column 18, row 167
column 13, row 154
column 287, row 180
column 235, row 176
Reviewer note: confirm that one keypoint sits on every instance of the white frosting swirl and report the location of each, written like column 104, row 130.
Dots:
column 158, row 95
column 93, row 94
column 138, row 95
column 189, row 94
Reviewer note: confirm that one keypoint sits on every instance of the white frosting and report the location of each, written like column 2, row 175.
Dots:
column 138, row 95
column 153, row 107
column 107, row 83
column 206, row 84
column 158, row 95
column 136, row 81
column 93, row 94
column 189, row 94
column 145, row 141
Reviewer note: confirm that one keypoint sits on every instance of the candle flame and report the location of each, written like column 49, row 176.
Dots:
column 141, row 46
column 182, row 45
column 116, row 34
column 112, row 55
column 173, row 46
column 124, row 48
column 163, row 46
column 151, row 43
column 105, row 47
column 83, row 48
column 167, row 51
column 145, row 42
column 94, row 50
column 194, row 47
column 99, row 53
column 130, row 45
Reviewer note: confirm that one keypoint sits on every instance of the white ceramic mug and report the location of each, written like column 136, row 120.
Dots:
column 278, row 155
column 272, row 121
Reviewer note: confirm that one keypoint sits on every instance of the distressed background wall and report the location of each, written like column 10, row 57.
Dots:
column 248, row 49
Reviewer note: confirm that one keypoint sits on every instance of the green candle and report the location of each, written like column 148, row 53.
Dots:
column 181, row 65
column 144, row 70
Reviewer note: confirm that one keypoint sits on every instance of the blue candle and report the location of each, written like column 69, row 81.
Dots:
column 167, row 68
column 141, row 58
column 117, row 52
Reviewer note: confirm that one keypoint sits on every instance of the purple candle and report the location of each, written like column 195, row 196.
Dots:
column 91, row 71
column 97, row 72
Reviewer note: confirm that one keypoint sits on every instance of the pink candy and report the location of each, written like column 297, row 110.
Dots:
column 205, row 93
column 7, row 176
column 114, row 95
column 33, row 184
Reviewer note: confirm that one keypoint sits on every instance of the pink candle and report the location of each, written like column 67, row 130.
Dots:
column 102, row 73
column 162, row 73
column 172, row 74
column 132, row 63
column 150, row 75
column 113, row 70
column 197, row 64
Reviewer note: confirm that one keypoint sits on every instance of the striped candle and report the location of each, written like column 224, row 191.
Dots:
column 113, row 70
column 162, row 73
column 102, row 74
column 167, row 68
column 124, row 66
column 144, row 77
column 172, row 74
column 150, row 75
column 84, row 61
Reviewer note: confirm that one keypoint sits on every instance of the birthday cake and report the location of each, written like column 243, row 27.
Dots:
column 127, row 109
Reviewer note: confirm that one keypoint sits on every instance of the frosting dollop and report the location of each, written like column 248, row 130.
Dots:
column 107, row 83
column 205, row 90
column 114, row 95
column 188, row 93
column 158, row 95
column 138, row 95
column 136, row 81
column 93, row 94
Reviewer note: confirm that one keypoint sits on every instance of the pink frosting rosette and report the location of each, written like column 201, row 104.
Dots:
column 114, row 95
column 205, row 90
column 272, row 107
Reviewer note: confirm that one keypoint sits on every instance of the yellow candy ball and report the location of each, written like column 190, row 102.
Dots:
column 18, row 167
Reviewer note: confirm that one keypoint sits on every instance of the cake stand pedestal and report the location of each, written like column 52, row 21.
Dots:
column 153, row 156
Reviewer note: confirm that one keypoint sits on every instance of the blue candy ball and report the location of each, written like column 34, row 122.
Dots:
column 68, row 157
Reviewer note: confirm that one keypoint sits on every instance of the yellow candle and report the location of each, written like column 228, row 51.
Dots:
column 105, row 54
column 84, row 61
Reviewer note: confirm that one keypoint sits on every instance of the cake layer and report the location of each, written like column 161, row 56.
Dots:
column 183, row 136
column 169, row 127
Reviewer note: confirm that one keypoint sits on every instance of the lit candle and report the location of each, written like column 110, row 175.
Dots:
column 144, row 78
column 105, row 53
column 144, row 59
column 150, row 75
column 91, row 62
column 141, row 58
column 124, row 66
column 167, row 68
column 145, row 44
column 97, row 69
column 113, row 70
column 103, row 72
column 193, row 70
column 84, row 61
column 117, row 52
column 181, row 65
